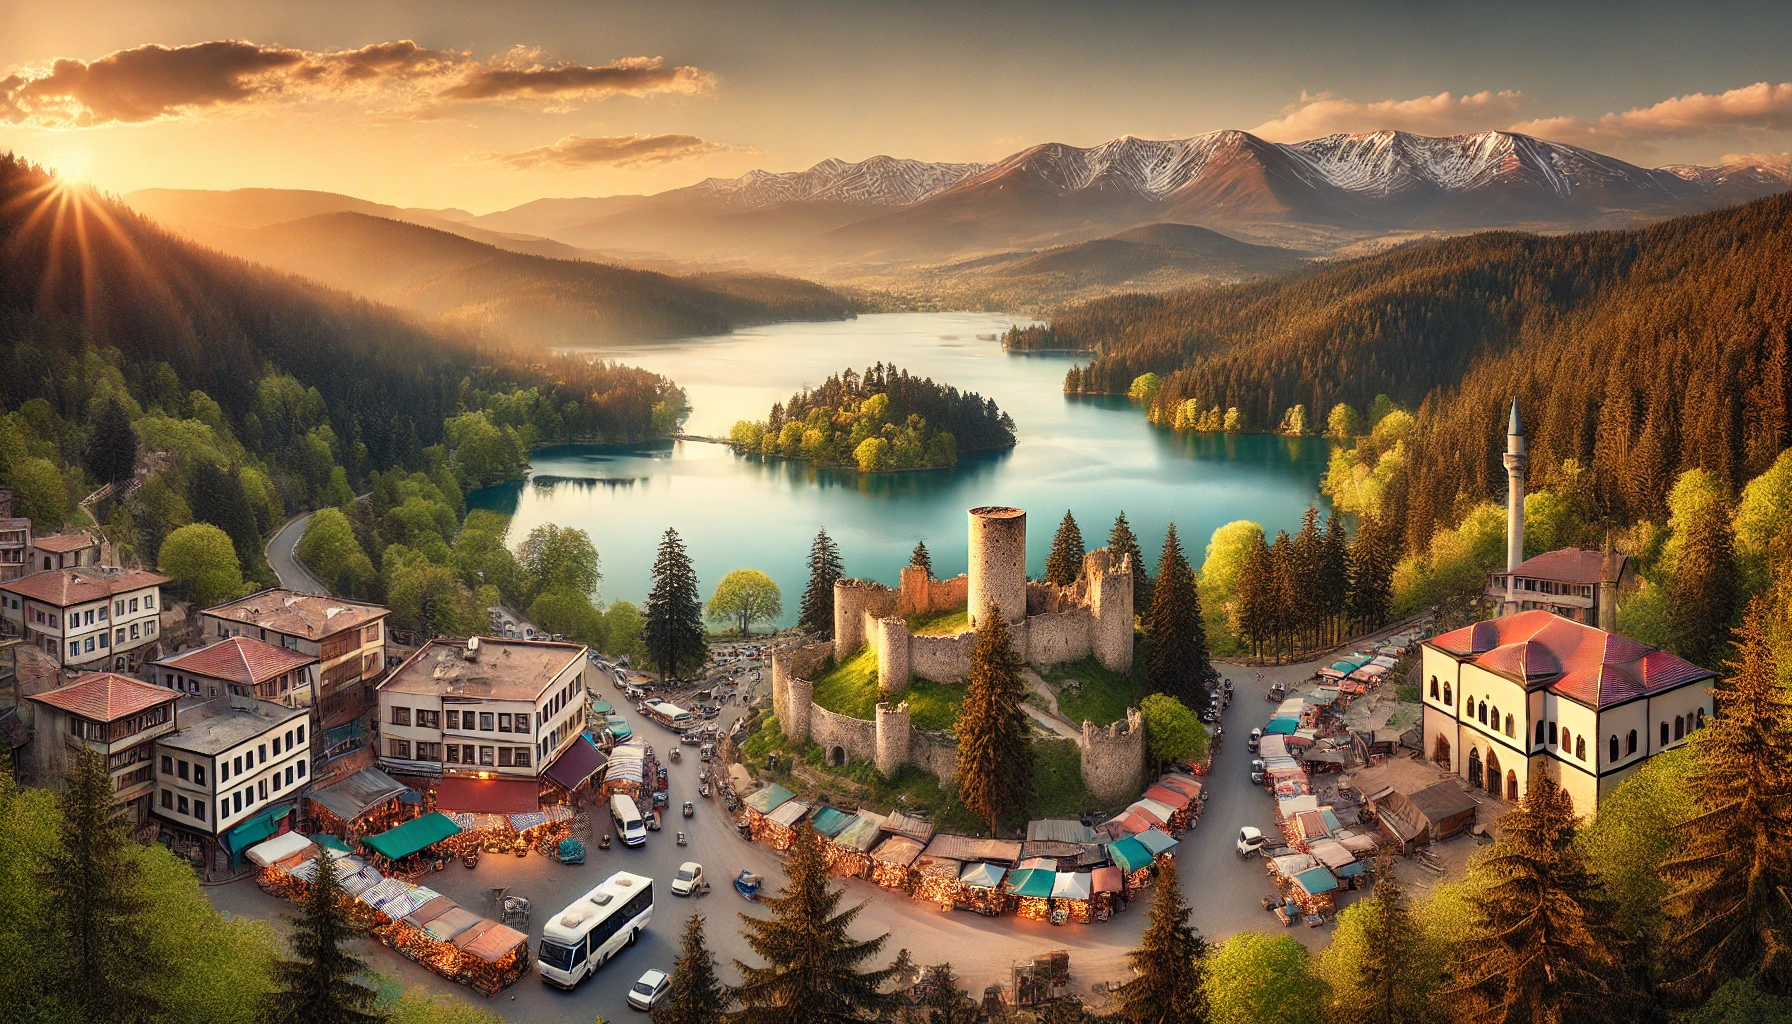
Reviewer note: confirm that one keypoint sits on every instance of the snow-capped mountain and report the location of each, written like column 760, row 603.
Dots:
column 878, row 181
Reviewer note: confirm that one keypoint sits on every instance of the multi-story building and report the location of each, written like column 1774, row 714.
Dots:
column 67, row 551
column 1531, row 694
column 348, row 639
column 1571, row 582
column 243, row 666
column 15, row 540
column 483, row 708
column 93, row 617
column 120, row 718
column 231, row 771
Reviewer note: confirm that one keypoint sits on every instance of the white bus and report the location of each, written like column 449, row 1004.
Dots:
column 631, row 829
column 584, row 936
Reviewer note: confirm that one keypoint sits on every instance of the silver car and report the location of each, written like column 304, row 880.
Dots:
column 650, row 990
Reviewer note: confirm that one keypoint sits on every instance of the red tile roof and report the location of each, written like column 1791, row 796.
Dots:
column 64, row 542
column 64, row 587
column 239, row 659
column 294, row 613
column 1577, row 661
column 106, row 697
column 1570, row 565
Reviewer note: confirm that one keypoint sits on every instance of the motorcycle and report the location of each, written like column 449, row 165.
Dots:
column 681, row 841
column 675, row 758
column 605, row 844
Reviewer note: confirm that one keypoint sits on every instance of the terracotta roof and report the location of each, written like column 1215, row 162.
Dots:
column 65, row 542
column 294, row 613
column 239, row 659
column 63, row 587
column 106, row 697
column 1576, row 661
column 1570, row 565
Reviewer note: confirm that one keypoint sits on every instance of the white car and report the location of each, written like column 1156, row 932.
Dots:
column 1250, row 841
column 689, row 879
column 650, row 990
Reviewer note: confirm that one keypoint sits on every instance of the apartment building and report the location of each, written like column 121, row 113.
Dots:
column 243, row 666
column 230, row 773
column 15, row 540
column 118, row 717
column 93, row 617
column 67, row 551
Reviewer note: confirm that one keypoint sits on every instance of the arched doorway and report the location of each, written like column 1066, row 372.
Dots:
column 836, row 756
column 1474, row 768
column 1442, row 752
column 1493, row 773
column 1511, row 786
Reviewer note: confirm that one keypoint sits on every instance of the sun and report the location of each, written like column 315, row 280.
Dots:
column 72, row 166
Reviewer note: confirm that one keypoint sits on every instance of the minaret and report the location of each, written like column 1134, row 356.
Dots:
column 1515, row 464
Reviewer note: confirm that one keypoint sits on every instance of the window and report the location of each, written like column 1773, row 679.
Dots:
column 183, row 807
column 522, row 724
column 301, row 767
column 119, row 638
column 223, row 809
column 1664, row 734
column 1614, row 747
column 429, row 719
column 181, row 770
column 1580, row 747
column 261, row 789
column 134, row 632
column 371, row 634
column 133, row 604
column 1481, row 713
column 74, row 647
column 401, row 716
column 263, row 751
column 118, row 609
column 485, row 755
column 466, row 753
column 149, row 628
column 167, row 799
column 199, row 774
column 1631, row 743
column 105, row 639
column 1699, row 722
column 522, row 757
column 1552, row 734
column 399, row 748
column 1447, row 695
column 301, row 732
column 503, row 722
column 1433, row 687
column 237, row 764
column 199, row 809
column 485, row 721
column 429, row 751
column 149, row 601
column 167, row 765
column 1679, row 728
column 1566, row 736
column 453, row 719
column 370, row 663
column 276, row 782
column 236, row 800
column 453, row 753
column 1510, row 731
column 89, row 645
column 1539, row 741
column 505, row 758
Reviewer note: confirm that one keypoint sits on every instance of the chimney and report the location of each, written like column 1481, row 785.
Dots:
column 472, row 651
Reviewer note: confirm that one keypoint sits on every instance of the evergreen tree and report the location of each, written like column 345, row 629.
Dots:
column 673, row 630
column 812, row 966
column 920, row 557
column 1702, row 593
column 1166, row 988
column 942, row 1001
column 1065, row 563
column 1394, row 980
column 1257, row 595
column 825, row 568
column 995, row 756
column 100, row 928
column 1306, row 562
column 216, row 496
column 322, row 981
column 1176, row 658
column 1539, row 946
column 1371, row 576
column 1727, row 911
column 112, row 450
column 1122, row 544
column 1286, row 591
column 1334, row 575
column 697, row 996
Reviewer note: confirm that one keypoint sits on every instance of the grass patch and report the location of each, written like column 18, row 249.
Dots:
column 1408, row 692
column 1089, row 690
column 850, row 688
column 940, row 623
column 1058, row 790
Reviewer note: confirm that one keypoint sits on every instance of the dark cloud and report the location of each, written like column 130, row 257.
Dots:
column 618, row 150
column 149, row 82
column 633, row 76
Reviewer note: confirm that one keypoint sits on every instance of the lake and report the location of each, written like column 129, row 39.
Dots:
column 1094, row 457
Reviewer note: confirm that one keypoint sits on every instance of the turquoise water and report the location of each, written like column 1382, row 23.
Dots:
column 1094, row 457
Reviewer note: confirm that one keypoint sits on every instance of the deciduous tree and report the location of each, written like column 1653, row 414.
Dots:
column 745, row 596
column 558, row 556
column 201, row 557
column 1257, row 979
column 1172, row 731
column 1381, row 967
column 1065, row 563
column 995, row 757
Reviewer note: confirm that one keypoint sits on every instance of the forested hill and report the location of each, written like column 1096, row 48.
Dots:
column 1638, row 353
column 517, row 297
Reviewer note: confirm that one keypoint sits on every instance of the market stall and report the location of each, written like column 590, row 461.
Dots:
column 414, row 837
column 459, row 945
column 1312, row 891
column 892, row 862
column 936, row 880
column 1155, row 842
column 1134, row 862
column 281, row 847
column 1031, row 889
column 778, row 829
column 850, row 851
column 1105, row 887
column 365, row 803
column 578, row 771
column 830, row 822
column 1071, row 891
column 979, row 887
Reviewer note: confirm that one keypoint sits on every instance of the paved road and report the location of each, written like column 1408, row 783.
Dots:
column 283, row 556
column 1222, row 889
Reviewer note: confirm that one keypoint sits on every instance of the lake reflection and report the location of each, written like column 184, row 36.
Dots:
column 1093, row 456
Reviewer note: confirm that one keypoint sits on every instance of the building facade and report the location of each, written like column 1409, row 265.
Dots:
column 67, row 551
column 117, row 717
column 348, row 639
column 93, row 618
column 15, row 540
column 1531, row 694
column 230, row 771
column 482, row 707
column 1570, row 582
column 243, row 666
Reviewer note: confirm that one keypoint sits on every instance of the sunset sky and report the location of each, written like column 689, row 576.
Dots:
column 487, row 105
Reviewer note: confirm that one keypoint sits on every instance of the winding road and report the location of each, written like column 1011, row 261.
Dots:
column 283, row 555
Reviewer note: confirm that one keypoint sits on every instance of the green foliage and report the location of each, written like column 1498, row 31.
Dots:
column 1381, row 967
column 559, row 557
column 1626, row 844
column 948, row 623
column 1455, row 564
column 1739, row 1001
column 484, row 454
column 1256, row 979
column 921, row 559
column 1144, row 388
column 1167, row 968
column 40, row 494
column 201, row 558
column 697, row 996
column 1090, row 691
column 1065, row 563
column 673, row 629
column 1702, row 593
column 1344, row 423
column 427, row 596
column 1175, row 632
column 1123, row 544
column 881, row 420
column 570, row 613
column 1224, row 566
column 329, row 549
column 321, row 982
column 825, row 568
column 1294, row 422
column 745, row 596
column 1172, row 731
column 481, row 559
column 994, row 755
column 1359, row 478
column 112, row 449
column 623, row 632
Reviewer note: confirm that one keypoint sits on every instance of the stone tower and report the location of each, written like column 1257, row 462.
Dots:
column 894, row 737
column 998, row 572
column 1516, row 460
column 1110, row 602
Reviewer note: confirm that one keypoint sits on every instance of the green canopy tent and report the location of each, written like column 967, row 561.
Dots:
column 1030, row 882
column 413, row 835
column 1130, row 854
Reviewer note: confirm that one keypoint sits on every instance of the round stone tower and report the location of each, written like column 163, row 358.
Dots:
column 998, row 573
column 894, row 735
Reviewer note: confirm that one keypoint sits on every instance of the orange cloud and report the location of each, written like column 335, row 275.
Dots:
column 150, row 82
column 1760, row 107
column 1319, row 114
column 616, row 150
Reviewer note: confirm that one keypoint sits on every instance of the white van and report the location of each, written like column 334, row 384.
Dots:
column 627, row 817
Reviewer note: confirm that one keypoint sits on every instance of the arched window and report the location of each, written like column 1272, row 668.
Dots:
column 1679, row 728
column 1699, row 723
column 1433, row 687
column 1481, row 713
column 1539, row 732
column 1511, row 728
column 1493, row 719
column 1632, row 743
column 1447, row 695
column 1566, row 736
column 1552, row 734
column 1512, row 786
column 1580, row 747
column 1664, row 734
column 1614, row 746
column 1474, row 767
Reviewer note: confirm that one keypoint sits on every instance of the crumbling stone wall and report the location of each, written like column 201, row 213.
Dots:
column 923, row 595
column 854, row 601
column 1113, row 758
column 998, row 560
column 935, row 752
column 855, row 736
column 895, row 736
column 943, row 659
column 1054, row 638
